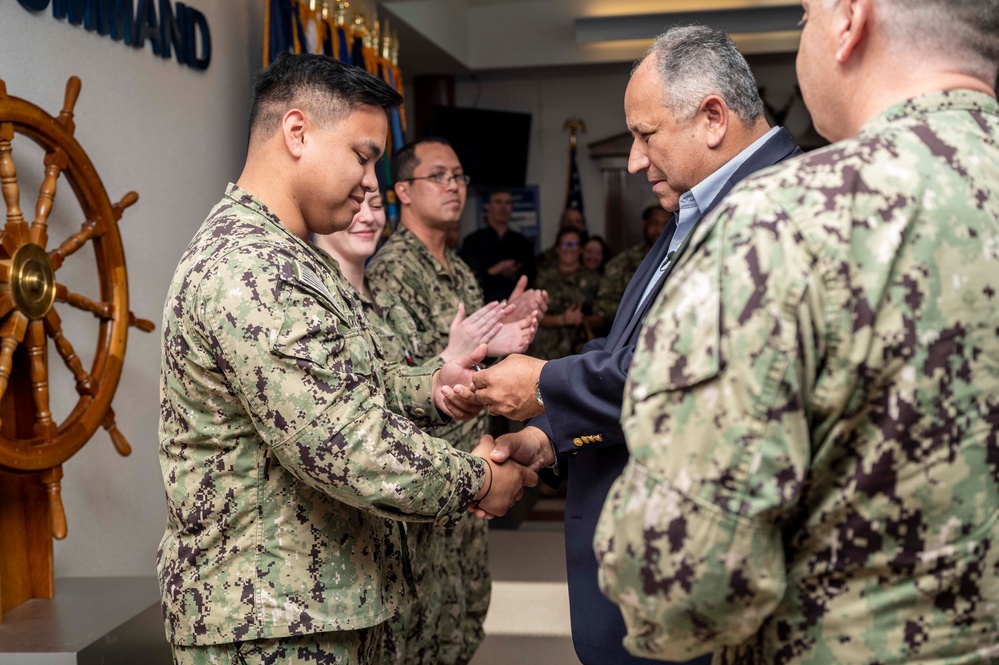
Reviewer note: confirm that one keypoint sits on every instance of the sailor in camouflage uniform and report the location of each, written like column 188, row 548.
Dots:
column 813, row 417
column 398, row 335
column 571, row 289
column 619, row 270
column 431, row 281
column 285, row 470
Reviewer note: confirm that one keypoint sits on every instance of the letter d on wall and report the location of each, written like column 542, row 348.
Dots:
column 34, row 5
column 197, row 20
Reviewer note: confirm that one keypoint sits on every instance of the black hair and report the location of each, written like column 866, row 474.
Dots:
column 404, row 162
column 322, row 86
column 647, row 212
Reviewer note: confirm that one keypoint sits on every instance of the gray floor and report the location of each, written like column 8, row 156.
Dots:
column 533, row 553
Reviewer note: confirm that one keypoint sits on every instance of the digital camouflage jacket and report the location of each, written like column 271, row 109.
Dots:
column 813, row 411
column 285, row 470
column 617, row 274
column 423, row 296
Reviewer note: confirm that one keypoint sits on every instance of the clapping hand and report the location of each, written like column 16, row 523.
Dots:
column 526, row 302
column 466, row 333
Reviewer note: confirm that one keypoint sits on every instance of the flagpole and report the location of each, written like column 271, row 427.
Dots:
column 573, row 188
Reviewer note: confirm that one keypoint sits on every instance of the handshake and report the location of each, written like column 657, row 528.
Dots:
column 513, row 461
column 508, row 389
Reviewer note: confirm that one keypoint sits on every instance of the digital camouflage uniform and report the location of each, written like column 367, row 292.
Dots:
column 617, row 273
column 580, row 288
column 406, row 631
column 285, row 470
column 405, row 271
column 813, row 411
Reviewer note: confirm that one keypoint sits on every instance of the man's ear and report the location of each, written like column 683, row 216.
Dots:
column 850, row 23
column 714, row 115
column 293, row 132
column 402, row 191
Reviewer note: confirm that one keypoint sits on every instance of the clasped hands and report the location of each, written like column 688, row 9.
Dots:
column 508, row 388
column 505, row 389
column 514, row 460
column 456, row 384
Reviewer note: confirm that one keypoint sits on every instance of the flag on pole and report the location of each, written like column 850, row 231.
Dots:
column 277, row 29
column 574, row 188
column 338, row 42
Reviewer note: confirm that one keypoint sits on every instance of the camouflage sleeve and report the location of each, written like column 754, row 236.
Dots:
column 408, row 387
column 408, row 392
column 688, row 542
column 305, row 372
column 422, row 309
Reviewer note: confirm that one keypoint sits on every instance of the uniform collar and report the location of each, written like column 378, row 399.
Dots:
column 960, row 99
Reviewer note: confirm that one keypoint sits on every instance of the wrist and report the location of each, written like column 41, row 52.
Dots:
column 435, row 386
column 486, row 485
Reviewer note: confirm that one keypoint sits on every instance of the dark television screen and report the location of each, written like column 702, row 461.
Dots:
column 492, row 145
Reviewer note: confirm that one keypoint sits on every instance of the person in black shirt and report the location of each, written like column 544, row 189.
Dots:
column 497, row 254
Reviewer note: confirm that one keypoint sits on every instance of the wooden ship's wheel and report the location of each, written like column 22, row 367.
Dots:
column 33, row 445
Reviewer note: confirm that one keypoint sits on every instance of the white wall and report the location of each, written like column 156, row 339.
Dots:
column 176, row 136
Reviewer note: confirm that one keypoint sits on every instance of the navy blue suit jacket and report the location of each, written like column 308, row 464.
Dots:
column 583, row 395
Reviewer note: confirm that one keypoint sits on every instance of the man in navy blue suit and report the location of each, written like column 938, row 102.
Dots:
column 697, row 120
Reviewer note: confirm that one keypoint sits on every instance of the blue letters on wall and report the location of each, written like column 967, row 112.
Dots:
column 176, row 30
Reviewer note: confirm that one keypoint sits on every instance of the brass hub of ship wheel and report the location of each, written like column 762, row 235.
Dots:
column 32, row 281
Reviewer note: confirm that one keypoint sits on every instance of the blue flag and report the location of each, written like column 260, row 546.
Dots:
column 574, row 190
column 279, row 27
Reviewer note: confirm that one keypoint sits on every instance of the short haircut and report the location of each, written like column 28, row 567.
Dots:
column 647, row 213
column 965, row 30
column 498, row 190
column 695, row 61
column 405, row 161
column 324, row 88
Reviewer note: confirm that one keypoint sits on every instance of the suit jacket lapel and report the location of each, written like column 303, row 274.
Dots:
column 636, row 287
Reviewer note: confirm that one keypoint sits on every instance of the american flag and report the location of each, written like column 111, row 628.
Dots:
column 574, row 190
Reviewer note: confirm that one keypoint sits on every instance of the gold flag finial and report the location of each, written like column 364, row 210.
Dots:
column 574, row 125
column 340, row 14
column 395, row 48
column 385, row 48
column 359, row 26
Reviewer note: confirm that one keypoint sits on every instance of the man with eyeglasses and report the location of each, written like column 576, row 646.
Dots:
column 431, row 281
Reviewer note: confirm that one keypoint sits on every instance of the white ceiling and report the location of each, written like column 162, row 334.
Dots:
column 469, row 36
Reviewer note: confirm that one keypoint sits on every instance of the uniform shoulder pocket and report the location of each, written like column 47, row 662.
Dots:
column 318, row 327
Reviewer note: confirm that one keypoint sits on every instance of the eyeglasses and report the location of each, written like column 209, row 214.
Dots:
column 444, row 179
column 571, row 244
